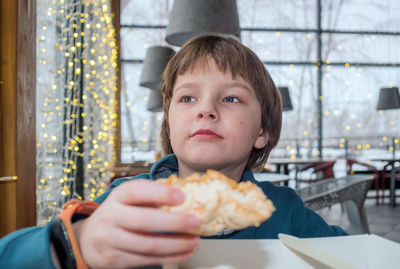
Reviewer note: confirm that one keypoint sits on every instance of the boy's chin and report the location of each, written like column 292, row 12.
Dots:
column 202, row 164
column 201, row 160
column 205, row 157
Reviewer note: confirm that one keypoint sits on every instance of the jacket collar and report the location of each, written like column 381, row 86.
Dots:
column 168, row 165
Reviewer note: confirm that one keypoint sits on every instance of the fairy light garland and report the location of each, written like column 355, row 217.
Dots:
column 76, row 101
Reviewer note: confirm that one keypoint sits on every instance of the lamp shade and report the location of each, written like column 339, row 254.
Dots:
column 286, row 102
column 154, row 64
column 389, row 98
column 155, row 101
column 189, row 18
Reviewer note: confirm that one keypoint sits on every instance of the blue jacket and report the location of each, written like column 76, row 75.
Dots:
column 30, row 248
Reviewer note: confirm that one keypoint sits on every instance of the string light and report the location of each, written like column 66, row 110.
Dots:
column 69, row 120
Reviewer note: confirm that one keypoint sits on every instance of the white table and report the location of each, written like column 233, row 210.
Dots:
column 362, row 251
column 279, row 179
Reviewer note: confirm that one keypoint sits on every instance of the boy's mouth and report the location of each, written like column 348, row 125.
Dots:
column 206, row 133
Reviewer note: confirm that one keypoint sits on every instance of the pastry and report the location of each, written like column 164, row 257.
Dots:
column 220, row 202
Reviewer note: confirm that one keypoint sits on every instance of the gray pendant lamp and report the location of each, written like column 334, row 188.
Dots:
column 155, row 61
column 155, row 101
column 286, row 101
column 389, row 98
column 190, row 18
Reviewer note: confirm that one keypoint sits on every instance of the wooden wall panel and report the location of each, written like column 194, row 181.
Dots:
column 26, row 113
column 8, row 119
column 17, row 114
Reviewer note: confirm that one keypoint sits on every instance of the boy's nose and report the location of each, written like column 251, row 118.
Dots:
column 207, row 110
column 207, row 115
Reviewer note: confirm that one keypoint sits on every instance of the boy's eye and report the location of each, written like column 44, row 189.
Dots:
column 231, row 99
column 187, row 99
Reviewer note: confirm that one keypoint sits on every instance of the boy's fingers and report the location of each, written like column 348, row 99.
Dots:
column 126, row 260
column 154, row 244
column 151, row 260
column 146, row 192
column 146, row 219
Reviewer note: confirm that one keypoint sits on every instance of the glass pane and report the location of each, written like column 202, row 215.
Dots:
column 135, row 41
column 139, row 127
column 301, row 122
column 361, row 48
column 350, row 117
column 277, row 13
column 281, row 46
column 145, row 12
column 361, row 15
column 350, row 99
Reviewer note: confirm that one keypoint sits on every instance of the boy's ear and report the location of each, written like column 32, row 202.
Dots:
column 262, row 139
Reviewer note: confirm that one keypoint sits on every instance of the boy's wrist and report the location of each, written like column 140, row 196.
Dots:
column 54, row 256
column 60, row 240
column 63, row 236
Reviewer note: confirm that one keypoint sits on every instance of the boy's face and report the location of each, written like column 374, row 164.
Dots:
column 214, row 120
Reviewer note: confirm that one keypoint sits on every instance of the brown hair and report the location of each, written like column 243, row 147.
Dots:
column 229, row 55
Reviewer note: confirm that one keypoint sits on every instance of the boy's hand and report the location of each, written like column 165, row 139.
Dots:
column 128, row 229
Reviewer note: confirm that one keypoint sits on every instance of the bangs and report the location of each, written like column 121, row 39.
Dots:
column 227, row 57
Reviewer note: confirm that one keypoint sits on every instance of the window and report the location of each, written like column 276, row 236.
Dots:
column 358, row 55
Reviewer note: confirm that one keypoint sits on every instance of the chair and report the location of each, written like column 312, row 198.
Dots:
column 351, row 162
column 350, row 191
column 319, row 171
column 396, row 174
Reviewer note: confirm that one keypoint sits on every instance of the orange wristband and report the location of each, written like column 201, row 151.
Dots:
column 72, row 207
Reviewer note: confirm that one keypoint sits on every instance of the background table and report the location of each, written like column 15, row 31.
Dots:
column 285, row 162
column 278, row 179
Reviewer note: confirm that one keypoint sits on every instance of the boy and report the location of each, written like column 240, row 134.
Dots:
column 222, row 111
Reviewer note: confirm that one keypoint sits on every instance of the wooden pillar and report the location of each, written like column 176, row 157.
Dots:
column 116, row 9
column 17, row 114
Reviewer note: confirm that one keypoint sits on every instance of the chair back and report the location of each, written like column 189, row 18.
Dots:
column 351, row 162
column 321, row 170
